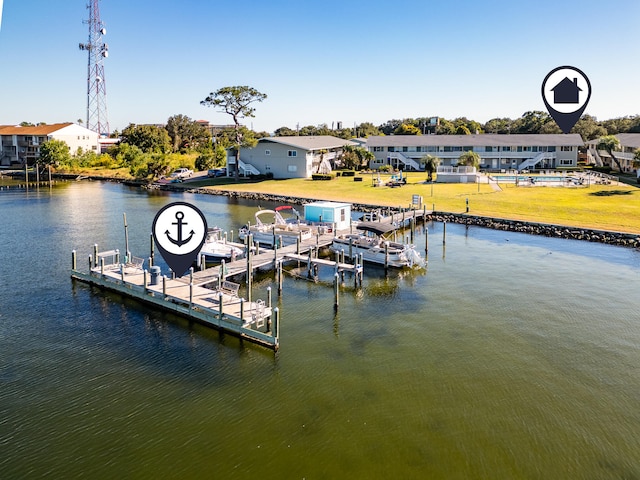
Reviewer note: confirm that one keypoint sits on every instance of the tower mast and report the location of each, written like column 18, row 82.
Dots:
column 97, row 50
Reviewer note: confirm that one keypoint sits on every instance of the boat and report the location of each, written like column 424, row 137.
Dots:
column 375, row 247
column 271, row 225
column 216, row 248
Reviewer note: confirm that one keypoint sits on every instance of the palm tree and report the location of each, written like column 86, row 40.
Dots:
column 430, row 165
column 469, row 158
column 610, row 143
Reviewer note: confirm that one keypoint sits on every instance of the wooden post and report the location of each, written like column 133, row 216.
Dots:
column 220, row 298
column 336, row 291
column 122, row 272
column 269, row 297
column 256, row 244
column 221, row 271
column 152, row 256
column 95, row 254
column 49, row 176
column 73, row 260
column 231, row 232
column 102, row 266
column 164, row 286
column 144, row 280
column 191, row 294
column 203, row 262
column 90, row 262
column 279, row 279
column 242, row 310
column 386, row 256
column 412, row 223
column 117, row 256
column 444, row 232
column 275, row 252
column 361, row 267
column 426, row 240
column 126, row 237
column 350, row 248
column 298, row 245
column 276, row 323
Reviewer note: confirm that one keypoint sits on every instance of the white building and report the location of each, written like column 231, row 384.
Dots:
column 629, row 143
column 21, row 145
column 497, row 151
column 289, row 157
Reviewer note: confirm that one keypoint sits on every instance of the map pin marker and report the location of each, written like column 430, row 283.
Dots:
column 566, row 92
column 179, row 231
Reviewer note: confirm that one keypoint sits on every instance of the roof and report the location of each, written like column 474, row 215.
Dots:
column 38, row 130
column 316, row 142
column 483, row 139
column 378, row 228
column 629, row 139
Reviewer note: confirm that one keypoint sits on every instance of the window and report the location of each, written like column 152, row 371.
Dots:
column 292, row 153
column 378, row 149
column 390, row 149
column 292, row 168
column 506, row 149
column 551, row 149
column 405, row 149
column 343, row 215
column 566, row 149
column 488, row 149
column 566, row 162
column 418, row 149
column 267, row 152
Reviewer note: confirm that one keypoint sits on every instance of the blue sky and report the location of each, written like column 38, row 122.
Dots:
column 318, row 62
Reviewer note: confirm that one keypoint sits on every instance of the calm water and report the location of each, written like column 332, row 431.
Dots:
column 511, row 357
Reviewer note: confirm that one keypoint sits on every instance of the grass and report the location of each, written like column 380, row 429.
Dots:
column 605, row 207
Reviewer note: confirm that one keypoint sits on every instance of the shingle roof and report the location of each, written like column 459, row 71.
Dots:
column 485, row 139
column 629, row 139
column 316, row 142
column 38, row 130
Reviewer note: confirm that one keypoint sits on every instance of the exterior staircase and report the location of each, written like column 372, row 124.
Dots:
column 409, row 162
column 244, row 168
column 532, row 162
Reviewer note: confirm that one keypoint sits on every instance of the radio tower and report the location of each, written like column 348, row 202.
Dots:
column 97, row 51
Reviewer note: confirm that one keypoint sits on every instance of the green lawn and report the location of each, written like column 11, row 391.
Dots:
column 607, row 207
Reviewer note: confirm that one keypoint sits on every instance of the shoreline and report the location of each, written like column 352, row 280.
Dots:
column 610, row 237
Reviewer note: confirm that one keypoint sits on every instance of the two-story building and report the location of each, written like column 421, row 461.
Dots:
column 290, row 157
column 497, row 151
column 629, row 143
column 20, row 146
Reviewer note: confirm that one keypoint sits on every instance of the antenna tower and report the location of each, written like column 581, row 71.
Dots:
column 97, row 50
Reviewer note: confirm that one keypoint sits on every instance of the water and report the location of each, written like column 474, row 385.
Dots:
column 511, row 357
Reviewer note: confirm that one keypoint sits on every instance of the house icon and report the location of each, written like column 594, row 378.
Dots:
column 566, row 91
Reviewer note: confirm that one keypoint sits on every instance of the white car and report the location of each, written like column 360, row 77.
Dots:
column 182, row 173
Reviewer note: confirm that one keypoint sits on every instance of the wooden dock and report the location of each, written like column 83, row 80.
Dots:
column 218, row 308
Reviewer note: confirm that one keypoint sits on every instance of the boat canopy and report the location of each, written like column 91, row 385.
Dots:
column 376, row 227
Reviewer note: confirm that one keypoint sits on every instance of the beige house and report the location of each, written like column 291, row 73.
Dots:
column 629, row 143
column 20, row 146
column 497, row 151
column 290, row 157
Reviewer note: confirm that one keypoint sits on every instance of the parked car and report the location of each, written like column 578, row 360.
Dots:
column 182, row 173
column 217, row 172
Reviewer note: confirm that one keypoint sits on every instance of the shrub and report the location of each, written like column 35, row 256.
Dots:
column 321, row 176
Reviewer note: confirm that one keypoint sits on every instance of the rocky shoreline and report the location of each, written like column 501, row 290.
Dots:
column 622, row 239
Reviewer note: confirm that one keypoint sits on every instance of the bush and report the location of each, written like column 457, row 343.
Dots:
column 321, row 176
column 385, row 168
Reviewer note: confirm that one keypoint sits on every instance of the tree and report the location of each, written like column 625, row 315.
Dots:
column 407, row 129
column 284, row 132
column 54, row 152
column 462, row 130
column 148, row 138
column 470, row 159
column 235, row 101
column 498, row 125
column 216, row 157
column 610, row 143
column 367, row 129
column 430, row 165
column 186, row 134
column 588, row 128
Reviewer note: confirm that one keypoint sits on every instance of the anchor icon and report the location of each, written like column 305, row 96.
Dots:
column 179, row 242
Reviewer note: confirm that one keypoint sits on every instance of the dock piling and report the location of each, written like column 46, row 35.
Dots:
column 336, row 291
column 95, row 255
column 73, row 260
column 444, row 232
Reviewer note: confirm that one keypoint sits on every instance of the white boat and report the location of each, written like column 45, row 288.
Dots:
column 216, row 248
column 271, row 225
column 375, row 248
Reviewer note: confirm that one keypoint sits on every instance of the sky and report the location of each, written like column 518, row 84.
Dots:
column 318, row 62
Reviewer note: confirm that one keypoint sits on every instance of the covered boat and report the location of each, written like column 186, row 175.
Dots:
column 271, row 225
column 372, row 243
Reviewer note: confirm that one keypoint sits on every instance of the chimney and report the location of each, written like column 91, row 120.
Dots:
column 575, row 82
